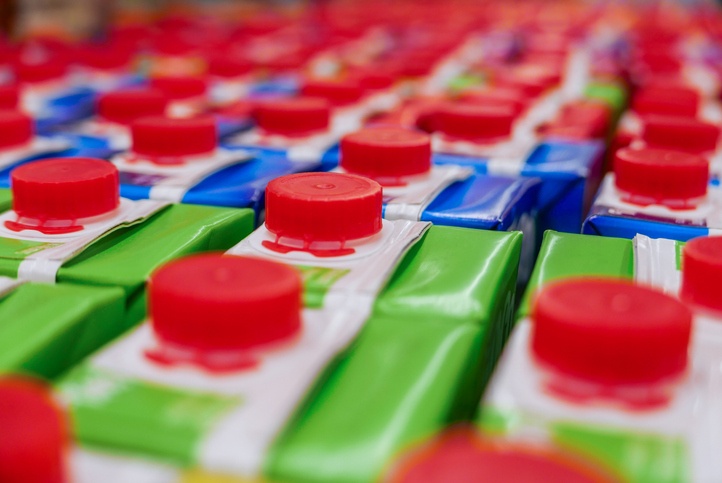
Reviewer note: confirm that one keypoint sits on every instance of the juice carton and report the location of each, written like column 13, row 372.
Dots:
column 108, row 132
column 235, row 377
column 684, row 270
column 656, row 192
column 354, row 98
column 358, row 253
column 106, row 66
column 69, row 224
column 254, row 426
column 179, row 160
column 19, row 144
column 231, row 78
column 575, row 375
column 48, row 93
column 566, row 255
column 656, row 262
column 40, row 447
column 331, row 220
column 301, row 129
column 187, row 94
column 580, row 120
column 414, row 189
column 482, row 139
column 681, row 133
column 47, row 338
column 190, row 96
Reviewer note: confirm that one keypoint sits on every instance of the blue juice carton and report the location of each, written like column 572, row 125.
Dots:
column 179, row 159
column 416, row 189
column 108, row 132
column 48, row 91
column 487, row 139
column 660, row 193
column 19, row 143
column 106, row 66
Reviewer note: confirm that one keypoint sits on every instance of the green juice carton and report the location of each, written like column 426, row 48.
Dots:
column 368, row 344
column 39, row 447
column 613, row 367
column 6, row 199
column 68, row 224
column 329, row 225
column 45, row 329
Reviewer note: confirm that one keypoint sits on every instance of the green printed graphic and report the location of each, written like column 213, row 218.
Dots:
column 639, row 457
column 614, row 95
column 465, row 81
column 678, row 249
column 13, row 249
column 115, row 410
column 634, row 456
column 47, row 338
column 317, row 281
column 566, row 255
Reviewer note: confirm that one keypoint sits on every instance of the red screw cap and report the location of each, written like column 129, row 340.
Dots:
column 386, row 153
column 657, row 62
column 416, row 63
column 610, row 331
column 159, row 137
column 175, row 44
column 702, row 272
column 16, row 129
column 475, row 122
column 180, row 87
column 294, row 116
column 374, row 80
column 126, row 106
column 565, row 130
column 660, row 176
column 462, row 457
column 498, row 97
column 338, row 93
column 33, row 72
column 323, row 207
column 35, row 434
column 680, row 133
column 9, row 96
column 228, row 66
column 105, row 57
column 587, row 112
column 209, row 304
column 667, row 100
column 65, row 189
column 581, row 120
column 531, row 79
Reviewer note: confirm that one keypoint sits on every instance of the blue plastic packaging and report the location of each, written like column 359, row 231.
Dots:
column 569, row 174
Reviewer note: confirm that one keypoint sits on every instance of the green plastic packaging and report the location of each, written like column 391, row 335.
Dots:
column 45, row 329
column 638, row 456
column 420, row 362
column 565, row 255
column 126, row 257
column 6, row 199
